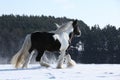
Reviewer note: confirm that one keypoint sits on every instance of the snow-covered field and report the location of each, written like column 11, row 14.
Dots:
column 79, row 72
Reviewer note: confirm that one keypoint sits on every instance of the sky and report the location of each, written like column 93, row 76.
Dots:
column 101, row 12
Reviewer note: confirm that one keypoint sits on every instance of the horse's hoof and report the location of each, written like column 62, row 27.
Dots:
column 45, row 64
column 71, row 63
column 59, row 67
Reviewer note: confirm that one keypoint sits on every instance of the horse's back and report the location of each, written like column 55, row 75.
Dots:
column 44, row 41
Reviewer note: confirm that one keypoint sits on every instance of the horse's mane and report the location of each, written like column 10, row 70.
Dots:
column 63, row 27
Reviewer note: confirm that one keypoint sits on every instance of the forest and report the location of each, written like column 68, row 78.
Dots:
column 99, row 46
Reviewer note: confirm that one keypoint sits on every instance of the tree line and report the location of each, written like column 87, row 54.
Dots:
column 99, row 45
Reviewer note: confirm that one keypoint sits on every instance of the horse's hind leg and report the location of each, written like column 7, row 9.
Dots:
column 41, row 58
column 43, row 61
column 27, row 61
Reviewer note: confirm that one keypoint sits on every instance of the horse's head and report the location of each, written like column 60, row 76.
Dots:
column 69, row 27
column 76, row 29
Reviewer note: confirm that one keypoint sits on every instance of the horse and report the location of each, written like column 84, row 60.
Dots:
column 58, row 40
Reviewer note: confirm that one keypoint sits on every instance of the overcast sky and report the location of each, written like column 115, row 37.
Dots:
column 92, row 12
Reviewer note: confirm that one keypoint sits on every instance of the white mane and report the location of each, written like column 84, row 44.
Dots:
column 64, row 27
column 57, row 25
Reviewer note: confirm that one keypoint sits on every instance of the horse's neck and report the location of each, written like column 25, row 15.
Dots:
column 67, row 30
column 66, row 35
column 60, row 30
column 64, row 28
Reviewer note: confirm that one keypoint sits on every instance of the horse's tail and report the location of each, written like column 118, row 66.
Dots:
column 19, row 58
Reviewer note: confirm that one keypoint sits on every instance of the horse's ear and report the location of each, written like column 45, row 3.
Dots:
column 75, row 22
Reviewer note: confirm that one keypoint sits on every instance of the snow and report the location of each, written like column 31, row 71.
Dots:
column 79, row 72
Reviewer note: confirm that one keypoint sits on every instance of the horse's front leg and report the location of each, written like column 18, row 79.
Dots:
column 61, row 59
column 70, row 62
column 28, row 58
